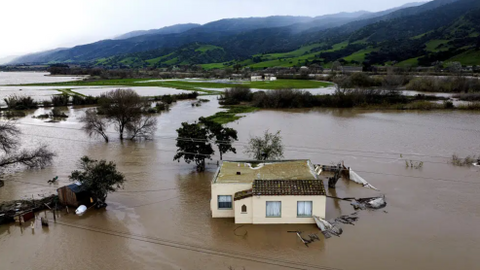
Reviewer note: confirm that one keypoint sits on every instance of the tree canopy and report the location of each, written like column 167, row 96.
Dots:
column 266, row 147
column 223, row 137
column 124, row 108
column 193, row 144
column 99, row 177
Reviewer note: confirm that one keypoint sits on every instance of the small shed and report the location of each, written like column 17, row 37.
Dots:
column 74, row 195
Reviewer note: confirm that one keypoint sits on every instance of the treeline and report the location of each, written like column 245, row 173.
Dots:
column 18, row 102
column 341, row 98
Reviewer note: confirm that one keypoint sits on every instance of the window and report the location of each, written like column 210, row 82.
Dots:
column 244, row 209
column 304, row 209
column 274, row 209
column 224, row 202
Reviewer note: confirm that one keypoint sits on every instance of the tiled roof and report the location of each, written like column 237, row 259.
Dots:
column 242, row 194
column 287, row 187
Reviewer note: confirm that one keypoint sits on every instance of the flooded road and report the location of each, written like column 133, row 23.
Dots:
column 161, row 220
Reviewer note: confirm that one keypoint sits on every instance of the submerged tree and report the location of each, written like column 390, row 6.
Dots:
column 193, row 145
column 223, row 137
column 32, row 158
column 266, row 147
column 94, row 125
column 126, row 110
column 122, row 107
column 143, row 127
column 99, row 177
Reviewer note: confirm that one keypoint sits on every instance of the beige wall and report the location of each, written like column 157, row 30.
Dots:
column 225, row 189
column 243, row 218
column 289, row 209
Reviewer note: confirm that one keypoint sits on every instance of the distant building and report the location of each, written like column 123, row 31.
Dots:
column 265, row 77
column 256, row 78
column 269, row 77
column 273, row 192
column 74, row 195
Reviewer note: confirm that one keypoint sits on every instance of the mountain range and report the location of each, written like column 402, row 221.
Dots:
column 413, row 34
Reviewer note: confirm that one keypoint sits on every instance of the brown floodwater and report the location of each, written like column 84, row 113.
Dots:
column 161, row 220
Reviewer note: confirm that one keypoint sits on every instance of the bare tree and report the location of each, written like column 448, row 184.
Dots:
column 122, row 107
column 266, row 147
column 8, row 136
column 94, row 125
column 143, row 127
column 35, row 158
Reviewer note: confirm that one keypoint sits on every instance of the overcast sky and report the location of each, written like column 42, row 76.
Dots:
column 36, row 25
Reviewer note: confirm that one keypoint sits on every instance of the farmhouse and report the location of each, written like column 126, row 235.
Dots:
column 270, row 192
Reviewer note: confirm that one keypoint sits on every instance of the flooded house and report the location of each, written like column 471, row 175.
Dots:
column 270, row 192
column 74, row 195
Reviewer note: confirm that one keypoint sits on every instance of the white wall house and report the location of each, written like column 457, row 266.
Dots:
column 256, row 78
column 276, row 192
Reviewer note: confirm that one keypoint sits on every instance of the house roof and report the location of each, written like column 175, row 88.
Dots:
column 248, row 171
column 287, row 187
column 76, row 188
column 243, row 194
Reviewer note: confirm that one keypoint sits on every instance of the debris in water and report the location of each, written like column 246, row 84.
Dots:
column 81, row 210
column 369, row 203
column 53, row 180
column 359, row 180
column 305, row 241
column 329, row 228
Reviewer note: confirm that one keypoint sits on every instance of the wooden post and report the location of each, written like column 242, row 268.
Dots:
column 54, row 214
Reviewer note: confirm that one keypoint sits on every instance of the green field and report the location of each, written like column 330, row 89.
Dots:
column 433, row 44
column 213, row 66
column 194, row 85
column 470, row 57
column 412, row 62
column 358, row 56
column 206, row 48
column 231, row 114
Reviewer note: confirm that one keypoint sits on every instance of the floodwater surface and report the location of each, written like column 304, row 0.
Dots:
column 33, row 77
column 161, row 219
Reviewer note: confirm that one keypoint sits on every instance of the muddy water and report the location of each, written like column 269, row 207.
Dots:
column 161, row 220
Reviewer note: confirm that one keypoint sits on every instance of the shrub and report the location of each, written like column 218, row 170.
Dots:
column 13, row 114
column 169, row 99
column 88, row 100
column 448, row 105
column 284, row 98
column 60, row 100
column 449, row 85
column 235, row 95
column 57, row 113
column 17, row 102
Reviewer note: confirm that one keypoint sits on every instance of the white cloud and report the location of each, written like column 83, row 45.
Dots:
column 32, row 25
